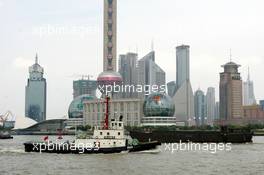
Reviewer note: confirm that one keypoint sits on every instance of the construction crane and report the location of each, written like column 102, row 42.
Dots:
column 7, row 120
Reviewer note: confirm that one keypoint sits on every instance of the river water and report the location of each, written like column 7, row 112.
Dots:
column 243, row 159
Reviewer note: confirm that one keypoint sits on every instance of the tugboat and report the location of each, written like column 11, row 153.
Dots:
column 108, row 139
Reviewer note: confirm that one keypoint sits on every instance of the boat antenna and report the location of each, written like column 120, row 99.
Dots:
column 106, row 122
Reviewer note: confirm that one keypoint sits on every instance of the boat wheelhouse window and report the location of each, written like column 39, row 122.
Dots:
column 108, row 133
column 119, row 133
column 101, row 133
column 114, row 143
column 120, row 124
column 116, row 124
column 112, row 124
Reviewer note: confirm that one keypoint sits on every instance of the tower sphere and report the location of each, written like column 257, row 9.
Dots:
column 108, row 78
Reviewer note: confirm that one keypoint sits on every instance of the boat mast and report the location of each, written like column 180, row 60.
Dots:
column 106, row 122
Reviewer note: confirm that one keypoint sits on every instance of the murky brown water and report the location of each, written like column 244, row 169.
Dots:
column 243, row 159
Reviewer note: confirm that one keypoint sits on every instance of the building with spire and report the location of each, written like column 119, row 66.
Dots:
column 129, row 108
column 36, row 92
column 230, row 95
column 109, row 76
column 248, row 92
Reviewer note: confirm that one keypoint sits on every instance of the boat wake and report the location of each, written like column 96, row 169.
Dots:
column 8, row 150
column 154, row 151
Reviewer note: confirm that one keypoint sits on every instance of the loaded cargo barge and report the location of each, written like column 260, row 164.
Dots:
column 227, row 136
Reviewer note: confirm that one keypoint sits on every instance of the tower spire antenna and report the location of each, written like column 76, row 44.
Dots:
column 36, row 58
column 152, row 45
column 230, row 55
column 248, row 74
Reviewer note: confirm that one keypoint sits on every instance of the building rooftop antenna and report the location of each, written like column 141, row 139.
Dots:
column 248, row 74
column 36, row 58
column 152, row 44
column 230, row 56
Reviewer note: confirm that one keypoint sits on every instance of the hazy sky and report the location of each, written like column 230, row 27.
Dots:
column 67, row 34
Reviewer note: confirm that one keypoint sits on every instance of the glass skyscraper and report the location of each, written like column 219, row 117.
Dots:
column 183, row 97
column 183, row 64
column 200, row 107
column 35, row 103
column 149, row 73
column 128, row 70
column 210, row 105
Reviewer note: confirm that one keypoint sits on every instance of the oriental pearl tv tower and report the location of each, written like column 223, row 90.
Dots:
column 109, row 76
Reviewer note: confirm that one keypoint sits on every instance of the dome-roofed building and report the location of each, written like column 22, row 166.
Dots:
column 158, row 104
column 76, row 106
column 158, row 109
column 231, row 67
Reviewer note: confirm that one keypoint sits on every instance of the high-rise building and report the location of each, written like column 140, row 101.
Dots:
column 109, row 76
column 183, row 98
column 248, row 92
column 35, row 103
column 230, row 94
column 84, row 87
column 171, row 87
column 216, row 111
column 128, row 70
column 200, row 108
column 182, row 65
column 150, row 74
column 210, row 105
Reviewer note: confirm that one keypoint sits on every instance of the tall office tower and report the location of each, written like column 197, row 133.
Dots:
column 210, row 105
column 230, row 94
column 84, row 87
column 248, row 92
column 171, row 87
column 35, row 104
column 150, row 74
column 183, row 98
column 217, row 116
column 200, row 108
column 182, row 65
column 128, row 70
column 109, row 76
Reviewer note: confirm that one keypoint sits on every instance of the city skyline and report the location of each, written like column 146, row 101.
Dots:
column 64, row 60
